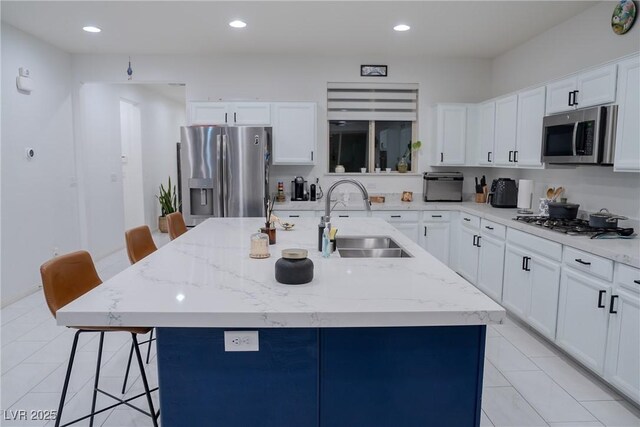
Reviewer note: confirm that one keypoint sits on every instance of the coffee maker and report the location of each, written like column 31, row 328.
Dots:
column 299, row 190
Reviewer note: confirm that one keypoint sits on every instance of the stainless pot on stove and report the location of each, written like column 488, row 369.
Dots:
column 604, row 219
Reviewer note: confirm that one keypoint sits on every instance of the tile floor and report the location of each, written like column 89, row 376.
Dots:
column 527, row 381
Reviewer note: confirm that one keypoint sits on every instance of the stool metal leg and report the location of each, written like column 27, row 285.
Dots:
column 66, row 379
column 143, row 375
column 149, row 346
column 126, row 374
column 95, row 384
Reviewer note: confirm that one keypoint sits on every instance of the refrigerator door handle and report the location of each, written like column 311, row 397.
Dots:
column 225, row 176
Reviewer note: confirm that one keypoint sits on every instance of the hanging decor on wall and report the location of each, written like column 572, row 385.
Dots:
column 130, row 70
column 373, row 70
column 623, row 16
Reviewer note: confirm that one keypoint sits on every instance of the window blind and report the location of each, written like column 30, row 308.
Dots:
column 370, row 101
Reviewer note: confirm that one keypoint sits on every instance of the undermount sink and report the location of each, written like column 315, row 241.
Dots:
column 370, row 247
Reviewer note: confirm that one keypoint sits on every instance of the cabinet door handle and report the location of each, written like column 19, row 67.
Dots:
column 569, row 101
column 515, row 156
column 425, row 231
column 582, row 262
column 474, row 239
column 510, row 156
column 234, row 118
column 312, row 156
column 478, row 241
column 637, row 282
column 396, row 216
column 442, row 157
column 225, row 117
column 611, row 310
column 294, row 216
column 488, row 156
column 524, row 260
column 436, row 216
column 343, row 216
column 488, row 228
column 601, row 293
column 575, row 97
column 526, row 263
column 466, row 219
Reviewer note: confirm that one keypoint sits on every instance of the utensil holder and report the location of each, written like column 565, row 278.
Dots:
column 271, row 232
column 481, row 198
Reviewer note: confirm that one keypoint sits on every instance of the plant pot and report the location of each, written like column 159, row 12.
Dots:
column 162, row 224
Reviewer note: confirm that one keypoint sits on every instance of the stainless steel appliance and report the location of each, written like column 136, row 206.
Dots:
column 584, row 136
column 503, row 193
column 577, row 227
column 442, row 186
column 299, row 189
column 224, row 171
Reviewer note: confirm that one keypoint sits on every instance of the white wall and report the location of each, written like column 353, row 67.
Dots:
column 583, row 41
column 300, row 78
column 161, row 119
column 39, row 196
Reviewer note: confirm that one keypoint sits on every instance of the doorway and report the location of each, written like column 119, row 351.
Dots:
column 131, row 155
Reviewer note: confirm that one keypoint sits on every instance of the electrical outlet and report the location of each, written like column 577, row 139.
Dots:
column 241, row 341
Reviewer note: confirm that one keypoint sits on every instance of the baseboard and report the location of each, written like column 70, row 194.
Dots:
column 8, row 301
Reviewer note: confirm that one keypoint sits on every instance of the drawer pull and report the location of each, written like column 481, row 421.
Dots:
column 488, row 228
column 637, row 282
column 611, row 310
column 294, row 216
column 396, row 216
column 343, row 216
column 600, row 294
column 466, row 219
column 582, row 262
column 436, row 216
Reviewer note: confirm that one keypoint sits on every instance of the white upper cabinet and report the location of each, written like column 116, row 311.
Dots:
column 294, row 133
column 451, row 134
column 230, row 113
column 486, row 133
column 529, row 128
column 593, row 87
column 627, row 155
column 505, row 130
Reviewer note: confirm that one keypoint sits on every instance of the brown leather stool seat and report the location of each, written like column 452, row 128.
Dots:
column 64, row 279
column 139, row 243
column 176, row 226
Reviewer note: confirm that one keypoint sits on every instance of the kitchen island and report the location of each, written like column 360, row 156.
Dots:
column 370, row 341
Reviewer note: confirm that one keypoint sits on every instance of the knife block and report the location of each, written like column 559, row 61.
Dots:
column 481, row 198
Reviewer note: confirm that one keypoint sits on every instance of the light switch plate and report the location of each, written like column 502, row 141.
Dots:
column 241, row 341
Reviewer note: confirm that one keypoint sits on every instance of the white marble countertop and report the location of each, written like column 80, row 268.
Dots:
column 205, row 278
column 626, row 251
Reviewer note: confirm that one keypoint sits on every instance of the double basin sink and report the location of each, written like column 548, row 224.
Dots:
column 370, row 247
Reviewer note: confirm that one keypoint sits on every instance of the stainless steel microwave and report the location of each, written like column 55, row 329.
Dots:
column 584, row 136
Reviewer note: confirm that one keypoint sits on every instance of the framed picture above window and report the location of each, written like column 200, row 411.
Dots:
column 373, row 70
column 371, row 127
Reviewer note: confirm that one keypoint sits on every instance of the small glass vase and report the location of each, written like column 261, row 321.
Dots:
column 270, row 231
column 403, row 166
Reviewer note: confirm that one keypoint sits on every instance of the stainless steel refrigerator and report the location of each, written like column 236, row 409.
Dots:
column 224, row 171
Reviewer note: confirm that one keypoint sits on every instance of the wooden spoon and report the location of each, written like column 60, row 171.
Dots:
column 558, row 193
column 550, row 192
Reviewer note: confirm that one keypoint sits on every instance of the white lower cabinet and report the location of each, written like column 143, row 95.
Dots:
column 434, row 238
column 583, row 317
column 468, row 253
column 545, row 278
column 622, row 364
column 516, row 288
column 490, row 266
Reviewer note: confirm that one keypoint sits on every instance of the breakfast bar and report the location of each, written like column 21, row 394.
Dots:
column 369, row 341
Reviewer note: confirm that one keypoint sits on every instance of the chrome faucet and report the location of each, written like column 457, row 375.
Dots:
column 327, row 205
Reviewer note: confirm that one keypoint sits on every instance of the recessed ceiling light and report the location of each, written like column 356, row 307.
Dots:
column 238, row 24
column 91, row 29
column 402, row 27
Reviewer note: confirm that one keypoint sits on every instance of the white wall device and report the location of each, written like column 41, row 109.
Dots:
column 241, row 341
column 30, row 152
column 23, row 81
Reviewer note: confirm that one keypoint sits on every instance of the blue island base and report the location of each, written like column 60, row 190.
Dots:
column 333, row 377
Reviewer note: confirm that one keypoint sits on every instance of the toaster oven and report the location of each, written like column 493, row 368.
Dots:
column 442, row 186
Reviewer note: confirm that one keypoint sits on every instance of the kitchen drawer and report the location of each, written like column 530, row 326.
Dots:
column 348, row 214
column 397, row 216
column 469, row 220
column 544, row 247
column 592, row 264
column 295, row 214
column 493, row 229
column 436, row 216
column 627, row 277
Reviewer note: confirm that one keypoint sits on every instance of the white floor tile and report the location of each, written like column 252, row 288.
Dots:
column 492, row 332
column 21, row 379
column 84, row 368
column 14, row 330
column 45, row 406
column 45, row 331
column 614, row 414
column 484, row 420
column 492, row 377
column 505, row 407
column 578, row 424
column 526, row 342
column 547, row 397
column 17, row 352
column 571, row 378
column 506, row 357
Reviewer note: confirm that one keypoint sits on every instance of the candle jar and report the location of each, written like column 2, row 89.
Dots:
column 259, row 246
column 294, row 268
column 270, row 231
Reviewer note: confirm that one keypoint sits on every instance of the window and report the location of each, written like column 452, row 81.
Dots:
column 371, row 126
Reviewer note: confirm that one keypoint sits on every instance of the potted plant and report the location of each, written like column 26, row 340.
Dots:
column 168, row 199
column 403, row 164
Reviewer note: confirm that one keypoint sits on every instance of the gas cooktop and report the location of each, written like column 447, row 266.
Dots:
column 576, row 227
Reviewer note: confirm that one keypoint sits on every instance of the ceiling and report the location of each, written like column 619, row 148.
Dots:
column 481, row 29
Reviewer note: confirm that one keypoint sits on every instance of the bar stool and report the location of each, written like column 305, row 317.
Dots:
column 176, row 226
column 139, row 244
column 64, row 279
